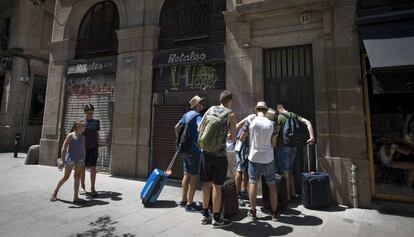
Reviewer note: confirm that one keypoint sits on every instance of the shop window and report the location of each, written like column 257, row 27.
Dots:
column 38, row 100
column 186, row 23
column 97, row 36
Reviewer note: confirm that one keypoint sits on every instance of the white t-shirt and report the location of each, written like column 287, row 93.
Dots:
column 260, row 132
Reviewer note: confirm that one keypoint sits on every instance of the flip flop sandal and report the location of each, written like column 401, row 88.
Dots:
column 53, row 198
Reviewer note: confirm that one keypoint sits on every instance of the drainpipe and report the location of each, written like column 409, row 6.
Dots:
column 354, row 182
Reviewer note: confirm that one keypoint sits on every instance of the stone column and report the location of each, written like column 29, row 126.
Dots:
column 132, row 116
column 61, row 51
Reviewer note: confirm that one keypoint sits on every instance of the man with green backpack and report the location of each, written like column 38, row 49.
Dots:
column 217, row 125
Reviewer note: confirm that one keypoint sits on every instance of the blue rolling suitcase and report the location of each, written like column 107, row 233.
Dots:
column 315, row 186
column 155, row 184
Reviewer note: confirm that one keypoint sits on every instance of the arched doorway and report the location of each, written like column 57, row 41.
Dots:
column 91, row 76
column 189, row 61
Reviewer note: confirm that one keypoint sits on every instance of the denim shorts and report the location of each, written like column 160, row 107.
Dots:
column 286, row 157
column 71, row 163
column 191, row 163
column 267, row 170
column 239, row 166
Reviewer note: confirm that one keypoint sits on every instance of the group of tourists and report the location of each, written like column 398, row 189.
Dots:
column 80, row 150
column 206, row 139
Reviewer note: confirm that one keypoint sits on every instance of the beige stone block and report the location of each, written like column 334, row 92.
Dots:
column 48, row 152
column 143, row 162
column 124, row 104
column 348, row 77
column 123, row 160
column 350, row 100
column 353, row 147
column 351, row 124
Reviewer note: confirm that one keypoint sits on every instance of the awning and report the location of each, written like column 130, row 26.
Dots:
column 389, row 45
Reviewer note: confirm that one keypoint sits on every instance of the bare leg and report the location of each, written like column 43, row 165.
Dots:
column 216, row 198
column 191, row 188
column 82, row 179
column 272, row 196
column 77, row 176
column 65, row 177
column 238, row 181
column 206, row 194
column 92, row 170
column 245, row 181
column 184, row 186
column 292, row 184
column 286, row 173
column 252, row 195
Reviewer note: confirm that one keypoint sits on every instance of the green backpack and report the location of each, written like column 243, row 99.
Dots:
column 212, row 132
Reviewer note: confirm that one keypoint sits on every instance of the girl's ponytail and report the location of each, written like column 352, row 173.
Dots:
column 76, row 123
column 74, row 126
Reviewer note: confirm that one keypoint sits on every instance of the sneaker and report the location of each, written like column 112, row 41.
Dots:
column 182, row 203
column 192, row 208
column 252, row 214
column 221, row 223
column 241, row 202
column 205, row 219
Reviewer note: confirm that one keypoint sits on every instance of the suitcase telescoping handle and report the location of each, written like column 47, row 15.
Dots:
column 168, row 171
column 316, row 157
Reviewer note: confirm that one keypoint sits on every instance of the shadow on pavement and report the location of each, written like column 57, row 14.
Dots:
column 294, row 217
column 256, row 228
column 300, row 220
column 163, row 204
column 89, row 203
column 333, row 209
column 104, row 226
column 114, row 196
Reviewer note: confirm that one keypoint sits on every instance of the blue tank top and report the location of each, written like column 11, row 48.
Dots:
column 75, row 148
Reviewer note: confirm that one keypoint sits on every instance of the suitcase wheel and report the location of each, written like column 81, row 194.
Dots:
column 146, row 204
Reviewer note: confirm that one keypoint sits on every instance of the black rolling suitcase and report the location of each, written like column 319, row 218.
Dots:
column 229, row 201
column 282, row 196
column 315, row 186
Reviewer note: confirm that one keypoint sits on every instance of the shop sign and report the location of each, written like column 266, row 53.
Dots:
column 92, row 66
column 194, row 55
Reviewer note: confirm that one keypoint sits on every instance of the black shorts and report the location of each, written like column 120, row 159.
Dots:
column 213, row 168
column 91, row 157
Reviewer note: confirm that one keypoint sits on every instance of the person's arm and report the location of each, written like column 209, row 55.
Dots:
column 179, row 125
column 242, row 122
column 177, row 129
column 310, row 130
column 273, row 140
column 66, row 143
column 232, row 124
column 84, row 147
column 98, row 128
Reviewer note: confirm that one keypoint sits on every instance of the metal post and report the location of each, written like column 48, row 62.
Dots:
column 354, row 182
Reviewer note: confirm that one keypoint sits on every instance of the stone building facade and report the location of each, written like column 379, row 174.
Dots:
column 26, row 33
column 268, row 45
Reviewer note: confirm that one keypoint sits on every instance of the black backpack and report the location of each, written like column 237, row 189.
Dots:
column 293, row 131
column 183, row 142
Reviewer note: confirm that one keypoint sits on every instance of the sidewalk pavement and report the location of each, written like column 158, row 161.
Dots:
column 25, row 210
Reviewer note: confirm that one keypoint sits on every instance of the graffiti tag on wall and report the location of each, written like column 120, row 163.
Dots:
column 199, row 77
column 87, row 86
